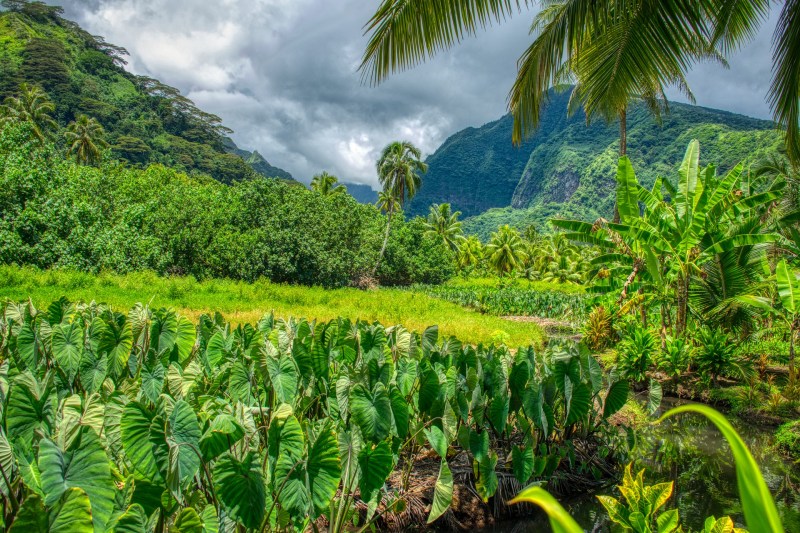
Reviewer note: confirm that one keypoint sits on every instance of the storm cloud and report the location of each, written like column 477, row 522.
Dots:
column 283, row 74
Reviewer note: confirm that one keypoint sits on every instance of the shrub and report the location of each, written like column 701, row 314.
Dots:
column 635, row 353
column 716, row 356
column 788, row 438
column 675, row 358
column 599, row 331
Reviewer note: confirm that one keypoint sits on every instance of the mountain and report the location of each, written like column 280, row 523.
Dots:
column 363, row 193
column 145, row 120
column 567, row 168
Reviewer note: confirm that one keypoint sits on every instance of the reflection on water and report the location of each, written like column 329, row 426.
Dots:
column 689, row 450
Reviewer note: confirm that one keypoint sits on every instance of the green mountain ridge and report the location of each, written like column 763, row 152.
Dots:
column 567, row 168
column 145, row 120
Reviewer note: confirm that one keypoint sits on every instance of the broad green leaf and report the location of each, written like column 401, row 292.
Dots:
column 487, row 482
column 522, row 463
column 31, row 517
column 240, row 488
column 284, row 378
column 654, row 397
column 442, row 492
column 498, row 411
column 185, row 338
column 399, row 411
column 406, row 375
column 184, row 439
column 84, row 466
column 67, row 342
column 428, row 390
column 153, row 377
column 758, row 506
column 371, row 411
column 627, row 191
column 138, row 441
column 188, row 521
column 560, row 520
column 616, row 398
column 32, row 407
column 93, row 371
column 375, row 464
column 222, row 433
column 324, row 470
column 133, row 520
column 579, row 404
column 73, row 513
column 437, row 441
column 668, row 521
column 788, row 287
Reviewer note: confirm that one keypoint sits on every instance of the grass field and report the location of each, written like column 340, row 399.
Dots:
column 243, row 302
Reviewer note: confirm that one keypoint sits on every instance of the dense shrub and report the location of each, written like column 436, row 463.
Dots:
column 55, row 214
column 716, row 356
column 635, row 353
column 788, row 438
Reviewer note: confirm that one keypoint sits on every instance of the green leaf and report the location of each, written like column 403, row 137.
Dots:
column 498, row 411
column 284, row 377
column 579, row 403
column 67, row 342
column 73, row 514
column 406, row 375
column 442, row 492
column 31, row 517
column 627, row 191
column 371, row 411
column 376, row 464
column 487, row 482
column 616, row 398
column 93, row 370
column 399, row 411
column 668, row 521
column 428, row 390
column 240, row 488
column 138, row 442
column 222, row 433
column 654, row 397
column 84, row 466
column 188, row 521
column 479, row 444
column 437, row 440
column 788, row 287
column 184, row 439
column 522, row 463
column 324, row 469
column 185, row 338
column 758, row 506
column 153, row 381
column 560, row 520
column 32, row 407
column 133, row 520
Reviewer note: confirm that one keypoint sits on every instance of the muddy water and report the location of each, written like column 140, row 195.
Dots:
column 690, row 451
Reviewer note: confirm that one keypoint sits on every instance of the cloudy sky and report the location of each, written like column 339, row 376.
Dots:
column 283, row 74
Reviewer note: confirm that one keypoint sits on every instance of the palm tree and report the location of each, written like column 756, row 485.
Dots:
column 399, row 171
column 85, row 138
column 470, row 254
column 443, row 224
column 327, row 184
column 32, row 106
column 506, row 250
column 617, row 49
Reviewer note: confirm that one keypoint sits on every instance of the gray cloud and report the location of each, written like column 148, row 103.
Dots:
column 282, row 74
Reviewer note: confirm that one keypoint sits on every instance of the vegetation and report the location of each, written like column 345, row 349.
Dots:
column 147, row 421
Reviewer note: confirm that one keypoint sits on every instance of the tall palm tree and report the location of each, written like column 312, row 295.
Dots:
column 327, row 184
column 86, row 140
column 32, row 106
column 617, row 49
column 444, row 224
column 506, row 250
column 399, row 170
column 470, row 254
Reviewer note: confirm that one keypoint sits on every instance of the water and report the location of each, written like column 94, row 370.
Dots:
column 690, row 451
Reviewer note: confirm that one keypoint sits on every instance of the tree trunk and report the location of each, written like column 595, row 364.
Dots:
column 663, row 327
column 623, row 148
column 385, row 242
column 792, row 333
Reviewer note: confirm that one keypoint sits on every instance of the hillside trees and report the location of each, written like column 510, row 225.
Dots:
column 85, row 137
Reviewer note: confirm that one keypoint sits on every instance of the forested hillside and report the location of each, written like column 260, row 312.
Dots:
column 145, row 120
column 567, row 168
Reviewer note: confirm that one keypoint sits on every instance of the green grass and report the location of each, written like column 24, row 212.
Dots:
column 519, row 283
column 243, row 302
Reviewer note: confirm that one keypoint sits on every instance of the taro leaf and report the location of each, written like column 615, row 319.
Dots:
column 85, row 466
column 616, row 398
column 372, row 411
column 133, row 520
column 116, row 341
column 560, row 521
column 323, row 469
column 210, row 519
column 138, row 441
column 67, row 342
column 284, row 378
column 32, row 407
column 240, row 383
column 376, row 464
column 406, row 375
column 442, row 492
column 399, row 411
column 654, row 397
column 31, row 517
column 28, row 347
column 188, row 521
column 479, row 444
column 73, row 514
column 7, row 464
column 74, row 416
column 343, row 397
column 437, row 440
column 240, row 488
column 153, row 381
column 112, row 418
column 487, row 482
column 184, row 443
column 498, row 411
column 428, row 390
column 579, row 403
column 522, row 463
column 93, row 370
column 223, row 432
column 185, row 338
column 216, row 350
column 429, row 339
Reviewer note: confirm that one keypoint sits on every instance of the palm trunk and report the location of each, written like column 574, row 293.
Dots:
column 623, row 148
column 683, row 304
column 792, row 333
column 663, row 327
column 385, row 242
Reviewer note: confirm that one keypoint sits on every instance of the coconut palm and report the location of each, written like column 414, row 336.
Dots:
column 327, row 184
column 617, row 49
column 399, row 170
column 443, row 224
column 32, row 106
column 85, row 139
column 506, row 250
column 470, row 254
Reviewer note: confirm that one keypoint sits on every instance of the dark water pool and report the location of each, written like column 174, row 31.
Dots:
column 690, row 451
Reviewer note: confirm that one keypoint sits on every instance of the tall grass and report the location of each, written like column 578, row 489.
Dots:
column 247, row 302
